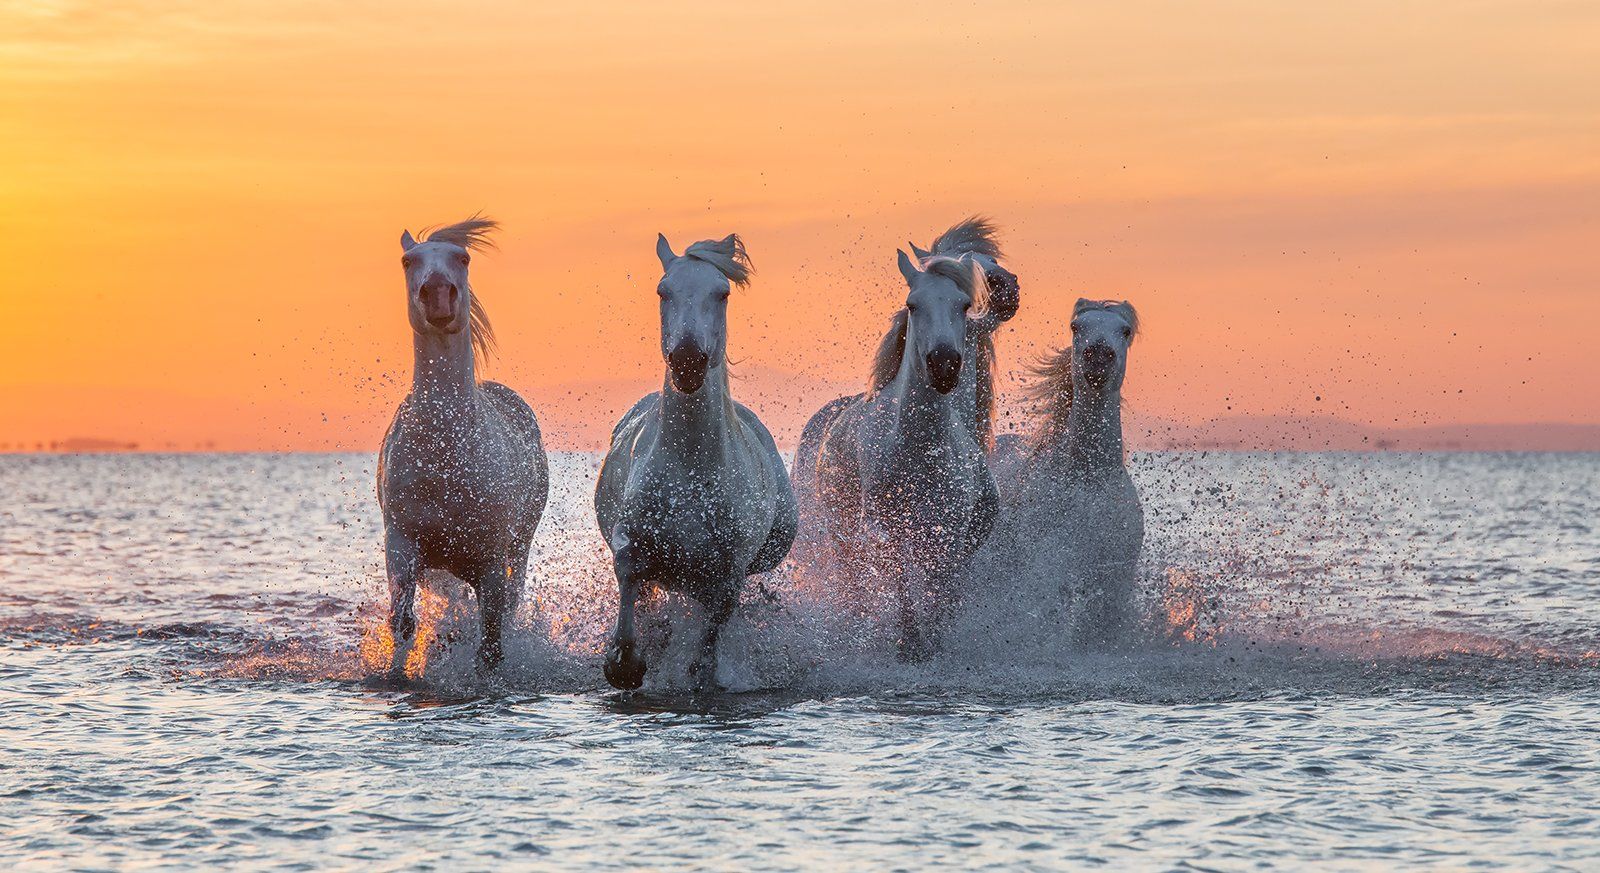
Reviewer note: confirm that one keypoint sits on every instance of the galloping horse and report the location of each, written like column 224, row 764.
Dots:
column 1071, row 509
column 893, row 482
column 462, row 476
column 692, row 495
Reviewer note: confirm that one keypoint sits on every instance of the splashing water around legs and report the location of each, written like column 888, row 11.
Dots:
column 1181, row 603
column 377, row 651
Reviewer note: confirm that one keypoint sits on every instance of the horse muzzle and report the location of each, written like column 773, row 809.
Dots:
column 439, row 299
column 687, row 362
column 944, row 369
column 1098, row 360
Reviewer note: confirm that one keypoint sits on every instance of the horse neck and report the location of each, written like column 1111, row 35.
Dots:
column 1094, row 430
column 917, row 409
column 698, row 424
column 443, row 375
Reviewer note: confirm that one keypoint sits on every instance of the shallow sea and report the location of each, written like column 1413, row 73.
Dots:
column 1345, row 661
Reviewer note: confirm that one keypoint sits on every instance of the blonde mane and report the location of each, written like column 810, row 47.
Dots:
column 1050, row 392
column 727, row 255
column 967, row 276
column 471, row 234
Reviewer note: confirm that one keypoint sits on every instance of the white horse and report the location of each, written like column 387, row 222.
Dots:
column 1071, row 511
column 893, row 482
column 462, row 476
column 692, row 495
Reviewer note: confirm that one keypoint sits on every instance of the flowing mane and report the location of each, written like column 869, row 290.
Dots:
column 727, row 255
column 974, row 236
column 1050, row 392
column 886, row 361
column 967, row 276
column 471, row 234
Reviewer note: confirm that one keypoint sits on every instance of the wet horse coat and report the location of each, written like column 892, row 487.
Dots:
column 1071, row 511
column 692, row 495
column 462, row 475
column 893, row 483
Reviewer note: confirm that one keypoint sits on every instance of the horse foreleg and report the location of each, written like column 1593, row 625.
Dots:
column 625, row 667
column 519, row 577
column 494, row 605
column 1103, row 608
column 913, row 645
column 703, row 672
column 403, row 562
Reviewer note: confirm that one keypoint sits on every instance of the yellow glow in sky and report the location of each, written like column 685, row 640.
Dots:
column 1394, row 208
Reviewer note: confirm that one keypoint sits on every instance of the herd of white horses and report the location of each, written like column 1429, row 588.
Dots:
column 902, row 488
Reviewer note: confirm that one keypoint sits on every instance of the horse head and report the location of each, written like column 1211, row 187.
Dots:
column 694, row 291
column 978, row 237
column 439, row 297
column 943, row 291
column 1102, row 331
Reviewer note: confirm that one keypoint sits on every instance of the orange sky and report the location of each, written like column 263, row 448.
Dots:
column 1392, row 206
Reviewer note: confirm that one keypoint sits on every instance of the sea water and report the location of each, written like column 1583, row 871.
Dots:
column 1349, row 660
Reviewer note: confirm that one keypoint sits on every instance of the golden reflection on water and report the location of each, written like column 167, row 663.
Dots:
column 377, row 641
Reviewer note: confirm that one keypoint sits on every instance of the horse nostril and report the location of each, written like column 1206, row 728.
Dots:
column 944, row 368
column 688, row 364
column 439, row 298
column 687, row 355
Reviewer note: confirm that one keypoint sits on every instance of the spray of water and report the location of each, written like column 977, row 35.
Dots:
column 1236, row 569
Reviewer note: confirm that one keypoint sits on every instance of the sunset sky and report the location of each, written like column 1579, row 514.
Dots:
column 1393, row 207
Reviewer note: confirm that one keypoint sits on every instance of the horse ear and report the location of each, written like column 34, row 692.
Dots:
column 664, row 251
column 922, row 254
column 1130, row 314
column 406, row 242
column 1082, row 304
column 907, row 269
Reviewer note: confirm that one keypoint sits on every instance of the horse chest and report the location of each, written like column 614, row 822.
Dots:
column 935, row 485
column 443, row 506
column 692, row 525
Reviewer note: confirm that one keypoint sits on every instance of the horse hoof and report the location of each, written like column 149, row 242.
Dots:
column 703, row 677
column 387, row 680
column 624, row 668
column 403, row 627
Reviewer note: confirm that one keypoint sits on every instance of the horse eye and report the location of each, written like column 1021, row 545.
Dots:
column 1127, row 333
column 464, row 258
column 407, row 261
column 1076, row 326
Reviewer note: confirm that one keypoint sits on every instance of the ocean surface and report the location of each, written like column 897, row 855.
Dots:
column 1344, row 661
